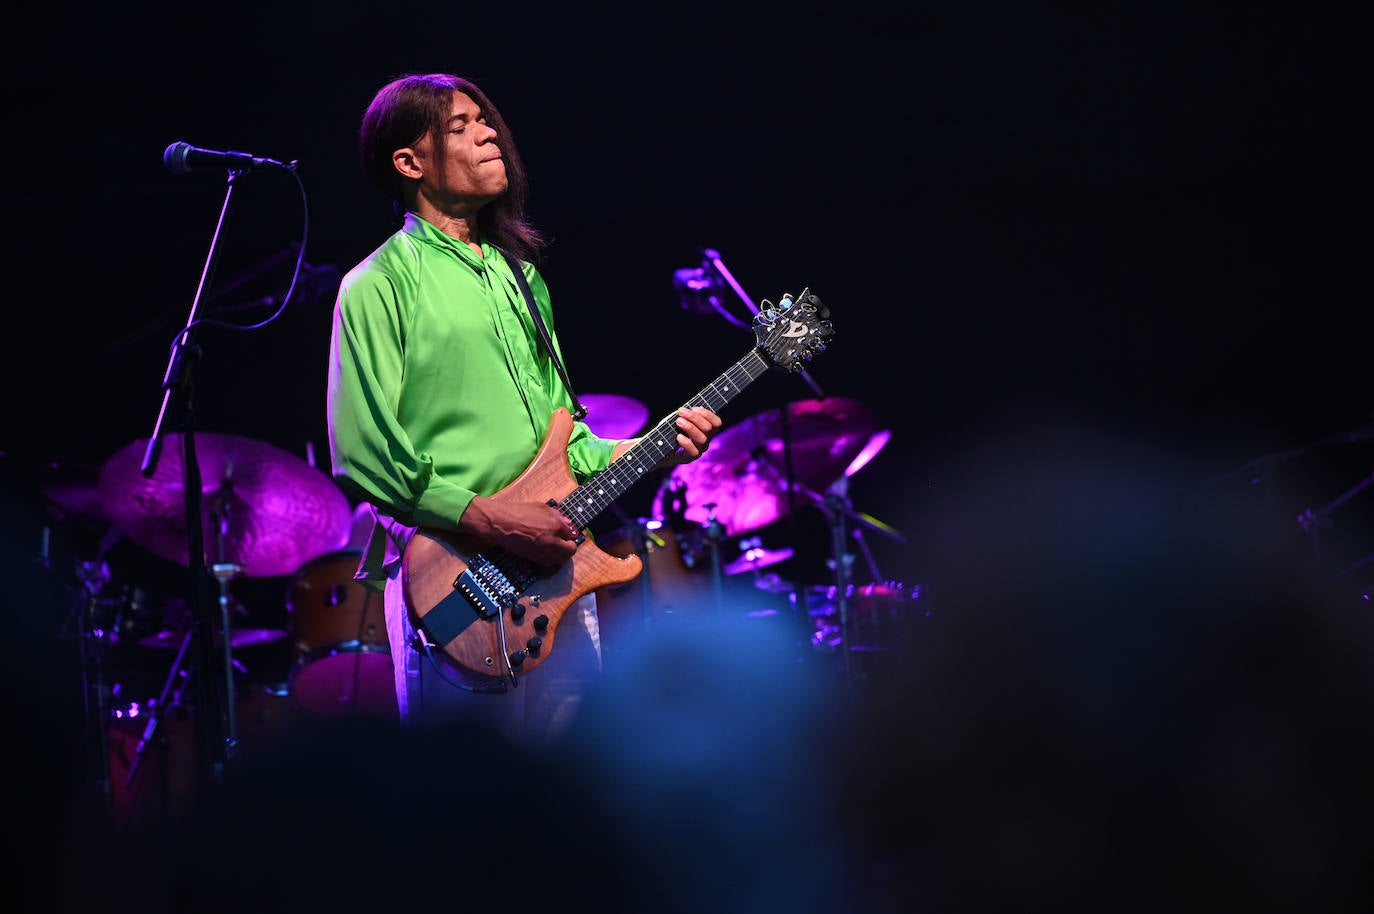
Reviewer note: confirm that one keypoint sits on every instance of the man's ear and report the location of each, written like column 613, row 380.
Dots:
column 405, row 161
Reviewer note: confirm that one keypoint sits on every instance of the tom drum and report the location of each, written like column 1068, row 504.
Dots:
column 341, row 660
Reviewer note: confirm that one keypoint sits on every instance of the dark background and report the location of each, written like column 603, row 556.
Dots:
column 1143, row 227
column 1101, row 272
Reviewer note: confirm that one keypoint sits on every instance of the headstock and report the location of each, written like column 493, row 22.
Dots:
column 793, row 331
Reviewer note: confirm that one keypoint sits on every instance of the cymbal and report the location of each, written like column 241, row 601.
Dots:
column 744, row 471
column 614, row 416
column 262, row 508
column 870, row 450
column 238, row 637
column 756, row 558
column 72, row 492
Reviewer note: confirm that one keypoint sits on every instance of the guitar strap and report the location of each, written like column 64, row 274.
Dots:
column 579, row 411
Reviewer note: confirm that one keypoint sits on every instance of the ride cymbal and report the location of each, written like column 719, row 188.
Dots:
column 744, row 472
column 262, row 507
column 71, row 492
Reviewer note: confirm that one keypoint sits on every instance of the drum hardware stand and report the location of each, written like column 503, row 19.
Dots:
column 640, row 537
column 225, row 572
column 836, row 505
column 1312, row 522
column 841, row 563
column 93, row 640
column 714, row 533
column 161, row 705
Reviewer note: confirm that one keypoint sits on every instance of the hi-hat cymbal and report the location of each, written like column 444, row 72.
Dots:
column 758, row 557
column 262, row 508
column 614, row 416
column 744, row 471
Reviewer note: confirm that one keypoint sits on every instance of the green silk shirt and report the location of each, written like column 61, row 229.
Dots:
column 440, row 387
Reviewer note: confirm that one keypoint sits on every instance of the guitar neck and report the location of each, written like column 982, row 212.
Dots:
column 597, row 493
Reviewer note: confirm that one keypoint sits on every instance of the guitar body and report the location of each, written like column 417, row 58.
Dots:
column 495, row 614
column 435, row 559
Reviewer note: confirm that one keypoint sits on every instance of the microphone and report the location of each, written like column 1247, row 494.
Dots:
column 183, row 158
column 696, row 290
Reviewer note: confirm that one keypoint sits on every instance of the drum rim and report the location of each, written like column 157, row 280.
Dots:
column 355, row 646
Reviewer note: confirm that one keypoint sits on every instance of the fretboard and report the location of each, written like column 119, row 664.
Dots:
column 596, row 494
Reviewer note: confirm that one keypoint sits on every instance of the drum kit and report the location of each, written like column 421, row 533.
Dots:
column 270, row 514
column 267, row 514
column 755, row 473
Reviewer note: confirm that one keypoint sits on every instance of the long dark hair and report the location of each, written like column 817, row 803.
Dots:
column 410, row 106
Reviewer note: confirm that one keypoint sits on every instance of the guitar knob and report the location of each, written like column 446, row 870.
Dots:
column 517, row 611
column 541, row 622
column 533, row 645
column 517, row 659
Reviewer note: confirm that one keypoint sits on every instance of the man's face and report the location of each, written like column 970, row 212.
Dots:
column 473, row 167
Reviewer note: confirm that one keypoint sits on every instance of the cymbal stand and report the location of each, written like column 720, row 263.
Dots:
column 840, row 563
column 94, row 639
column 714, row 533
column 640, row 536
column 225, row 572
column 837, row 506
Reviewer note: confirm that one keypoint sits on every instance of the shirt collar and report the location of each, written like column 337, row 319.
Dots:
column 426, row 233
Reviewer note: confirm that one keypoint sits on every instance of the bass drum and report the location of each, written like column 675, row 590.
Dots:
column 340, row 657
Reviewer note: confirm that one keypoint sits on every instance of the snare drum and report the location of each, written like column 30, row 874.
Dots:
column 341, row 660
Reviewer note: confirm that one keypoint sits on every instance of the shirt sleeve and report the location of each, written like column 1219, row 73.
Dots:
column 372, row 457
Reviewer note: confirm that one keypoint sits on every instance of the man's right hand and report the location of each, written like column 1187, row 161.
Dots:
column 536, row 532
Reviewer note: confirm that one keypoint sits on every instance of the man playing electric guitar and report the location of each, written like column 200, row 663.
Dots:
column 442, row 392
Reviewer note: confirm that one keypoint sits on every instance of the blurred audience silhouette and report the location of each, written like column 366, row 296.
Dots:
column 1130, row 694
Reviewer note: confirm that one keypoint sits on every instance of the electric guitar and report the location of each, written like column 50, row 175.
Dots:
column 496, row 614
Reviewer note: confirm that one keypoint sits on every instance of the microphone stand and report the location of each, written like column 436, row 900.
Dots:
column 178, row 392
column 712, row 259
column 698, row 283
